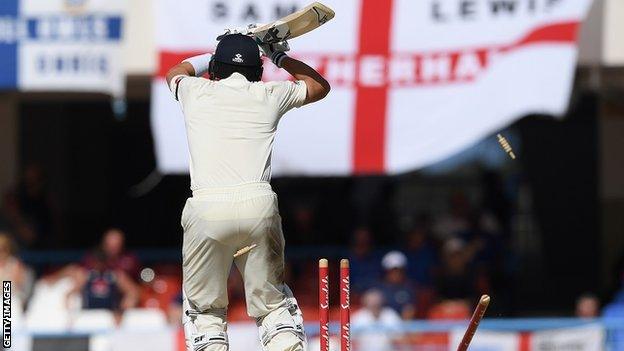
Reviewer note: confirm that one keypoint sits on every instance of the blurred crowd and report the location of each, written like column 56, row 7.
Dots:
column 109, row 278
column 436, row 269
column 426, row 272
column 425, row 279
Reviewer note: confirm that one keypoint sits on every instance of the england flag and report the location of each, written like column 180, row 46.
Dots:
column 413, row 82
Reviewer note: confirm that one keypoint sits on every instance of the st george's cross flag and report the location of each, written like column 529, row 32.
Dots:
column 413, row 82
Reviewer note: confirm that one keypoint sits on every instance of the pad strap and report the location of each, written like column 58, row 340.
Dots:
column 201, row 341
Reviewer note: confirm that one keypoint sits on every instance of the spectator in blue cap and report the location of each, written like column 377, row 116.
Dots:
column 397, row 289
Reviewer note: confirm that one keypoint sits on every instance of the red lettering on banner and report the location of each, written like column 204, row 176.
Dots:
column 401, row 69
column 524, row 342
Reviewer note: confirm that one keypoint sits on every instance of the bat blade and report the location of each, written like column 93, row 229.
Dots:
column 295, row 24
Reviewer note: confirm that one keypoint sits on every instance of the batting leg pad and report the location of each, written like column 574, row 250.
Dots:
column 282, row 329
column 206, row 330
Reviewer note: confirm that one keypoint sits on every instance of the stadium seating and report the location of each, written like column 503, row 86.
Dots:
column 143, row 318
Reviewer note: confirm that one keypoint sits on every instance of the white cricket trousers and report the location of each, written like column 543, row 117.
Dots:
column 217, row 222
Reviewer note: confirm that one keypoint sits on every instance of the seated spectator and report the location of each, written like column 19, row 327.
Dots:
column 112, row 250
column 421, row 256
column 456, row 279
column 365, row 270
column 373, row 313
column 12, row 269
column 587, row 306
column 398, row 291
column 103, row 287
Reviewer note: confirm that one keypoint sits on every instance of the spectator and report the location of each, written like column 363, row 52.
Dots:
column 398, row 291
column 112, row 251
column 456, row 279
column 365, row 270
column 421, row 256
column 12, row 269
column 103, row 287
column 372, row 314
column 587, row 306
column 27, row 209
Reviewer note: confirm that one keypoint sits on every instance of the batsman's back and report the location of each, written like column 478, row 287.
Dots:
column 231, row 125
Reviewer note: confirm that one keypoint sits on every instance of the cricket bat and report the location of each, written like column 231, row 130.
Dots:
column 293, row 25
column 288, row 27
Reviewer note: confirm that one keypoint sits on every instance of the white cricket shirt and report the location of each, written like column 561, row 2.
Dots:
column 231, row 125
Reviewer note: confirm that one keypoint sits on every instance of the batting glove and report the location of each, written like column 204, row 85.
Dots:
column 238, row 30
column 276, row 52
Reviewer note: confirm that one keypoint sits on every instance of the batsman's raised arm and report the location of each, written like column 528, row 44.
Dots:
column 317, row 86
column 181, row 69
column 195, row 66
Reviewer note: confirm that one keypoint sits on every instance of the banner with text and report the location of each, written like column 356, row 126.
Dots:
column 590, row 337
column 413, row 82
column 62, row 45
column 243, row 336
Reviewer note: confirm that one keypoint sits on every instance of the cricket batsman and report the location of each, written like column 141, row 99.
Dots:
column 231, row 120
